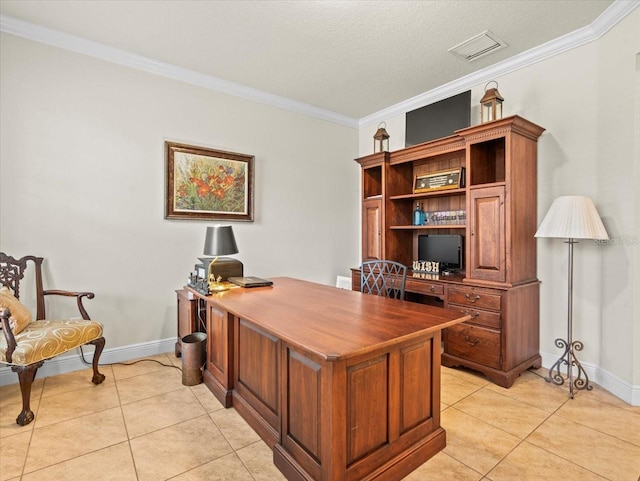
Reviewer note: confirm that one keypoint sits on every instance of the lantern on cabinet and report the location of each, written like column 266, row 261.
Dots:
column 381, row 139
column 491, row 104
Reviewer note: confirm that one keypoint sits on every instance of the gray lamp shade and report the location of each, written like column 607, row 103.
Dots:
column 572, row 217
column 220, row 241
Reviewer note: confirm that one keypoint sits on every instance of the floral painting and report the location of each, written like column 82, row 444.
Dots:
column 208, row 184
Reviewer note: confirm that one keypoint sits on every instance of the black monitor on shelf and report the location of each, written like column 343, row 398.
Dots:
column 447, row 249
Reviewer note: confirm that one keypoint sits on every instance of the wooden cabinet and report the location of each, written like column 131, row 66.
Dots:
column 498, row 286
column 186, row 317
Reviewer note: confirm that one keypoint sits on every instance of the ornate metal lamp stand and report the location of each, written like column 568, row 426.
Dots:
column 570, row 346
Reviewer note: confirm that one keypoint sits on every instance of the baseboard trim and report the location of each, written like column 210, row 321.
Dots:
column 72, row 361
column 628, row 392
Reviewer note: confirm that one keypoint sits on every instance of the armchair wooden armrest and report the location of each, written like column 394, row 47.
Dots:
column 5, row 314
column 78, row 295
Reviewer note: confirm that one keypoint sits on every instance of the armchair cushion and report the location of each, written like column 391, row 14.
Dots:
column 42, row 340
column 20, row 315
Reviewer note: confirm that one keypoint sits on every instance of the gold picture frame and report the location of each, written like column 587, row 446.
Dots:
column 207, row 184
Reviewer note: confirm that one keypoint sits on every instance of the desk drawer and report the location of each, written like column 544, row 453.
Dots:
column 474, row 343
column 424, row 287
column 484, row 318
column 478, row 298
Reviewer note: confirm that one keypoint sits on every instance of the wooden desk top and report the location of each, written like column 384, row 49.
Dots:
column 332, row 323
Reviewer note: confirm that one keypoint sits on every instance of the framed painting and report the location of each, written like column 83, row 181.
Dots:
column 207, row 184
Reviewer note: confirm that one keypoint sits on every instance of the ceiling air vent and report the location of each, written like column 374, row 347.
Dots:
column 478, row 46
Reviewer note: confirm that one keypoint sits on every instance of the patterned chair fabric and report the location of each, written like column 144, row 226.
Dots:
column 42, row 340
column 383, row 278
column 27, row 349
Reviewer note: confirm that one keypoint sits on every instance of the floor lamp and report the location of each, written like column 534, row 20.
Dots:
column 571, row 218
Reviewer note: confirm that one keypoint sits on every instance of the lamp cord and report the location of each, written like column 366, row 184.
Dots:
column 87, row 363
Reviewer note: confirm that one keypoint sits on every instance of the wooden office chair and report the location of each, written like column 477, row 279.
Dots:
column 383, row 278
column 26, row 344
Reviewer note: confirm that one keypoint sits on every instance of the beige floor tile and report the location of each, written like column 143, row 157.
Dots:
column 600, row 453
column 142, row 387
column 503, row 412
column 110, row 464
column 534, row 390
column 530, row 463
column 226, row 468
column 443, row 467
column 455, row 387
column 176, row 361
column 151, row 414
column 11, row 394
column 13, row 452
column 209, row 402
column 77, row 403
column 475, row 443
column 145, row 365
column 8, row 415
column 71, row 381
column 235, row 429
column 171, row 451
column 620, row 423
column 467, row 374
column 63, row 441
column 258, row 458
column 602, row 395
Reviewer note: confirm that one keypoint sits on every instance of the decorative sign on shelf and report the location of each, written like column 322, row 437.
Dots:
column 441, row 180
column 426, row 266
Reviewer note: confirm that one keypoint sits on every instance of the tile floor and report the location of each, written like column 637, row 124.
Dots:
column 143, row 424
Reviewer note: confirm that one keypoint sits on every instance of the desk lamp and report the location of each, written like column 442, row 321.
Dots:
column 571, row 218
column 219, row 241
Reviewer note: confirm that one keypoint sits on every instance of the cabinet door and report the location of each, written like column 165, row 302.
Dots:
column 372, row 229
column 487, row 249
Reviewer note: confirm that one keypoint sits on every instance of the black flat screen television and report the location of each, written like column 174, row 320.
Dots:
column 438, row 119
column 446, row 249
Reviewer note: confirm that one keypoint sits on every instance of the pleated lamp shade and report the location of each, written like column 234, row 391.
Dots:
column 572, row 217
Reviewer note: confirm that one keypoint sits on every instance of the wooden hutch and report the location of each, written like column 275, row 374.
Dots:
column 498, row 286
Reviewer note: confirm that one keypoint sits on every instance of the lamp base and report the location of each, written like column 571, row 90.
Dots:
column 570, row 360
column 217, row 287
column 224, row 267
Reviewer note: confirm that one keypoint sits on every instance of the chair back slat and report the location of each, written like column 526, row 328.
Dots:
column 12, row 272
column 383, row 278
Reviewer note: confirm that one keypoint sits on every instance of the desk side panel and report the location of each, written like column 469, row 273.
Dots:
column 257, row 370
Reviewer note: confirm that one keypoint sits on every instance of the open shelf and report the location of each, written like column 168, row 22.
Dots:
column 425, row 195
column 427, row 227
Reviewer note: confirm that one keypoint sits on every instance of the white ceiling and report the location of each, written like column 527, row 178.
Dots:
column 353, row 58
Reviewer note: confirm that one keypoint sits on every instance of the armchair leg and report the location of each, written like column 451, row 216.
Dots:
column 97, row 376
column 26, row 375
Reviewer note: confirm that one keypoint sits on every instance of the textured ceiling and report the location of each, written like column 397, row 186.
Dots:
column 349, row 57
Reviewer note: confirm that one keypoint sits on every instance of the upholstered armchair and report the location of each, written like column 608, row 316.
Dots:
column 26, row 343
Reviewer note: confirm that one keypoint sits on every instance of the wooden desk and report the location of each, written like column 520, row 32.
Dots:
column 343, row 386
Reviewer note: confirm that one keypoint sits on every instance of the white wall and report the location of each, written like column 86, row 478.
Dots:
column 586, row 99
column 82, row 184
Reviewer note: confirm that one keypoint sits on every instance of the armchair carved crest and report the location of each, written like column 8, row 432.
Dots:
column 26, row 343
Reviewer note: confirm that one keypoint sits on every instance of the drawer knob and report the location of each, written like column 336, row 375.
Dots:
column 472, row 299
column 470, row 313
column 470, row 341
column 432, row 288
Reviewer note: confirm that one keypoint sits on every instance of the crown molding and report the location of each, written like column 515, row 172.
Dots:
column 617, row 11
column 55, row 38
